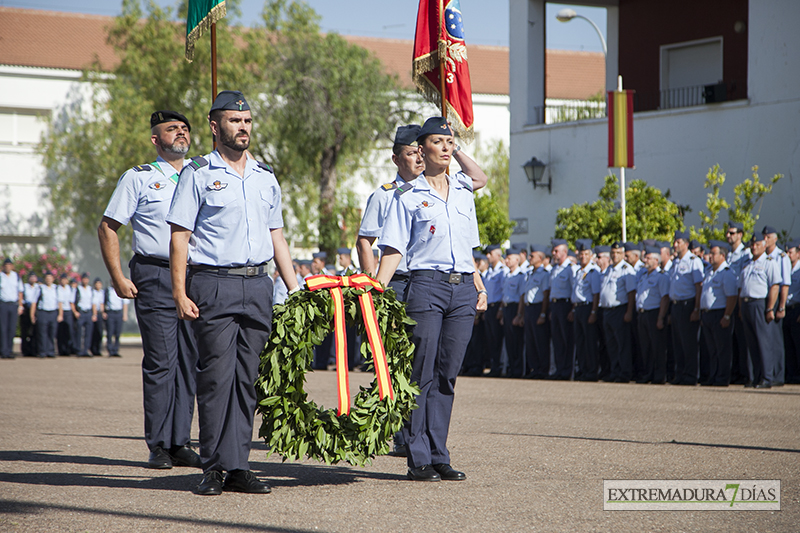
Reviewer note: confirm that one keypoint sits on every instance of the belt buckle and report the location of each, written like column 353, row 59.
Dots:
column 454, row 278
column 251, row 271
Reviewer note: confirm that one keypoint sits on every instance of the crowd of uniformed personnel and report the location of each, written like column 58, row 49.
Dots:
column 720, row 313
column 64, row 317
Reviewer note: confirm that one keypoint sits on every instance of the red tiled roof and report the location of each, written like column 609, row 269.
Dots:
column 72, row 41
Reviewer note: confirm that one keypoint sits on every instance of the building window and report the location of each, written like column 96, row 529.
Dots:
column 690, row 72
column 21, row 127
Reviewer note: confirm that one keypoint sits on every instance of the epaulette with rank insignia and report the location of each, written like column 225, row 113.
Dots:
column 199, row 161
column 389, row 186
column 404, row 188
column 139, row 168
column 265, row 166
column 466, row 183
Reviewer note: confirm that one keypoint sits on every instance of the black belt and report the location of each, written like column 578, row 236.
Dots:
column 683, row 302
column 792, row 306
column 493, row 304
column 556, row 300
column 400, row 277
column 534, row 303
column 245, row 271
column 581, row 304
column 450, row 277
column 614, row 306
column 642, row 311
column 147, row 260
column 747, row 299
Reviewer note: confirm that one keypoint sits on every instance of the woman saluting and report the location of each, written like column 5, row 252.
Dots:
column 432, row 221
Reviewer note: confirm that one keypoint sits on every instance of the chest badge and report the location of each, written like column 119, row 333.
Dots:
column 432, row 229
column 217, row 186
column 425, row 204
column 157, row 186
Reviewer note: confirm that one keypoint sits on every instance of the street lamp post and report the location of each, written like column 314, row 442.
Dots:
column 567, row 14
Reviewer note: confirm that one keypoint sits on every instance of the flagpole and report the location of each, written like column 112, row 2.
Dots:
column 214, row 71
column 622, row 183
column 442, row 60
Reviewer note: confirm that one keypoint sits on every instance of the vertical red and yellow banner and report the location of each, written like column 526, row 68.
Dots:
column 440, row 50
column 620, row 129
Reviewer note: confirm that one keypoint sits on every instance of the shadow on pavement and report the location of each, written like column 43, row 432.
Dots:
column 21, row 508
column 628, row 441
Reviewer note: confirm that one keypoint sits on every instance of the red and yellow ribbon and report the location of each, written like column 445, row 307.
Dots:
column 359, row 281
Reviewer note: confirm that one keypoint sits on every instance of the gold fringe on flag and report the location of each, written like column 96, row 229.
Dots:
column 215, row 14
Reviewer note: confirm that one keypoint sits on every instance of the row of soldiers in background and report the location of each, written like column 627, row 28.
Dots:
column 652, row 313
column 67, row 318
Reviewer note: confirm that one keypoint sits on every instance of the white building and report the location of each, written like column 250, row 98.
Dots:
column 715, row 80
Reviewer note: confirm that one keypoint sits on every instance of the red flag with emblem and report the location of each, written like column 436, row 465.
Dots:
column 439, row 48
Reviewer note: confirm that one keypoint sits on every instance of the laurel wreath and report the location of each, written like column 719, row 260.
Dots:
column 294, row 427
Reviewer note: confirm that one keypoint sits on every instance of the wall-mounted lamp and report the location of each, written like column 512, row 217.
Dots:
column 534, row 170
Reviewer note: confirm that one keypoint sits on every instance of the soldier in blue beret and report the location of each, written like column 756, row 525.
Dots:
column 791, row 323
column 222, row 207
column 142, row 198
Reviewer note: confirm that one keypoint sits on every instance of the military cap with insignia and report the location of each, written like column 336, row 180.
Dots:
column 539, row 248
column 571, row 253
column 617, row 244
column 722, row 245
column 757, row 238
column 682, row 235
column 434, row 126
column 694, row 243
column 652, row 250
column 230, row 101
column 520, row 245
column 407, row 135
column 736, row 225
column 769, row 229
column 583, row 244
column 632, row 247
column 558, row 242
column 602, row 249
column 477, row 255
column 165, row 115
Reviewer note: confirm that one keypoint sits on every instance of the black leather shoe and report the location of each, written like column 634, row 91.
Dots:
column 185, row 456
column 448, row 474
column 211, row 484
column 764, row 385
column 245, row 481
column 159, row 459
column 399, row 450
column 423, row 473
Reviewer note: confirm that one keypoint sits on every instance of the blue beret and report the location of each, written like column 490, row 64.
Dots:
column 165, row 115
column 343, row 251
column 632, row 247
column 722, row 245
column 492, row 248
column 682, row 235
column 320, row 255
column 794, row 243
column 652, row 250
column 407, row 135
column 768, row 229
column 602, row 249
column 558, row 242
column 737, row 225
column 539, row 248
column 230, row 101
column 435, row 125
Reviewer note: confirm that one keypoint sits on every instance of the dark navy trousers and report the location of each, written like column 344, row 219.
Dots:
column 46, row 322
column 170, row 359
column 684, row 341
column 515, row 342
column 739, row 373
column 399, row 283
column 64, row 333
column 27, row 332
column 617, row 333
column 8, row 327
column 233, row 328
column 537, row 342
column 563, row 339
column 759, row 341
column 444, row 314
column 791, row 343
column 652, row 347
column 719, row 347
column 585, row 342
column 494, row 338
column 113, row 331
column 84, row 327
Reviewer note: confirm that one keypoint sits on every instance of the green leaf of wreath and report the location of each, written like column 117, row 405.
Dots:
column 294, row 427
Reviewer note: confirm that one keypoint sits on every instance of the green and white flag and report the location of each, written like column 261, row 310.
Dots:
column 202, row 14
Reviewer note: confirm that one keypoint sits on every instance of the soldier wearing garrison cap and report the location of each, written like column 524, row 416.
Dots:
column 513, row 334
column 774, row 253
column 652, row 306
column 791, row 323
column 532, row 312
column 737, row 258
column 585, row 302
column 142, row 198
column 717, row 302
column 617, row 301
column 686, row 280
column 10, row 307
column 493, row 280
column 227, row 223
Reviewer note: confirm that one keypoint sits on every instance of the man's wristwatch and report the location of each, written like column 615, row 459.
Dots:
column 781, row 309
column 726, row 317
column 483, row 292
column 456, row 149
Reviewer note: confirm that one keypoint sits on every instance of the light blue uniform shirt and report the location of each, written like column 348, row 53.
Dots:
column 536, row 283
column 493, row 280
column 683, row 275
column 9, row 287
column 650, row 288
column 616, row 283
column 30, row 293
column 230, row 217
column 434, row 233
column 561, row 277
column 113, row 302
column 784, row 265
column 718, row 285
column 738, row 258
column 98, row 297
column 585, row 284
column 279, row 291
column 758, row 276
column 794, row 288
column 66, row 295
column 375, row 214
column 513, row 284
column 48, row 298
column 83, row 298
column 143, row 198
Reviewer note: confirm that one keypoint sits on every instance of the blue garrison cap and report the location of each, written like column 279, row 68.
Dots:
column 652, row 250
column 617, row 244
column 492, row 248
column 558, row 242
column 649, row 242
column 435, row 125
column 736, row 225
column 769, row 229
column 230, row 101
column 407, row 135
column 520, row 246
column 602, row 249
column 320, row 255
column 85, row 275
column 682, row 235
column 794, row 243
column 633, row 247
column 165, row 115
column 664, row 244
column 343, row 251
column 8, row 261
column 583, row 244
column 571, row 253
column 477, row 255
column 539, row 248
column 694, row 243
column 722, row 245
column 512, row 250
column 757, row 237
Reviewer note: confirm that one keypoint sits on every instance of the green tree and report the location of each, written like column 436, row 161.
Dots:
column 650, row 215
column 494, row 226
column 749, row 199
column 709, row 219
column 491, row 202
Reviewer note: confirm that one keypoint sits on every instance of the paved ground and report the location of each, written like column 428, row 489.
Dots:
column 72, row 459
